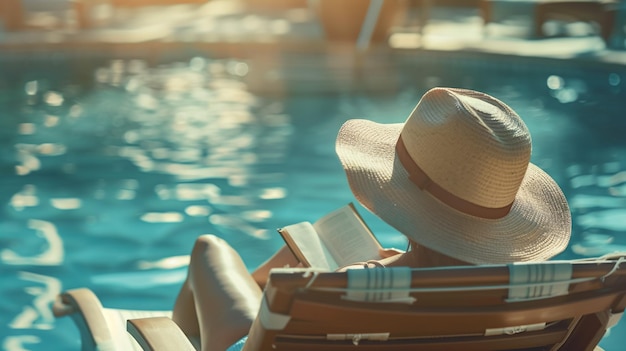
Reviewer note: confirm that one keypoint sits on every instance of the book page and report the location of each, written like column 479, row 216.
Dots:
column 347, row 237
column 309, row 245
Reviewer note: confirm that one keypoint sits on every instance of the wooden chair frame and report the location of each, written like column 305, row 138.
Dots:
column 442, row 319
column 452, row 308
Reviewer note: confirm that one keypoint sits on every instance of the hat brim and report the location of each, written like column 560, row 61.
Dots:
column 537, row 227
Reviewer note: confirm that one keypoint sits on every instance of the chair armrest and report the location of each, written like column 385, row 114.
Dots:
column 158, row 334
column 84, row 307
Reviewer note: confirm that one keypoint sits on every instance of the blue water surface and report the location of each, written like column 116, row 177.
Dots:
column 110, row 169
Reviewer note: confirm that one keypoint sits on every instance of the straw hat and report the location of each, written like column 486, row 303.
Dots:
column 456, row 177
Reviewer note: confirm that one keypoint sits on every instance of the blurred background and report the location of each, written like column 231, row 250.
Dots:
column 130, row 127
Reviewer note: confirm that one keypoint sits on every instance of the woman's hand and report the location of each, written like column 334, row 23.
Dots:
column 384, row 253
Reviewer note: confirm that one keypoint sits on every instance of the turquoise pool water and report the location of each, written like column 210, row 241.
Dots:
column 110, row 169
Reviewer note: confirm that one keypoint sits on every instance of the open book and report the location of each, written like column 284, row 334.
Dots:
column 335, row 240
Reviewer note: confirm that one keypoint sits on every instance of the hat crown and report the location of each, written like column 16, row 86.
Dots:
column 472, row 145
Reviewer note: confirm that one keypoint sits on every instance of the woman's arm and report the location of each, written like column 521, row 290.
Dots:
column 282, row 258
column 388, row 257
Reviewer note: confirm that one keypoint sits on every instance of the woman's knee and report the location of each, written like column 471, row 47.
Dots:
column 213, row 253
column 205, row 240
column 206, row 243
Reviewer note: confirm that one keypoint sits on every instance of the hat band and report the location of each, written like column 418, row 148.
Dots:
column 424, row 182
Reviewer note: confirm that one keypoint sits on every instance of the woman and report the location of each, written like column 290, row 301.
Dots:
column 455, row 178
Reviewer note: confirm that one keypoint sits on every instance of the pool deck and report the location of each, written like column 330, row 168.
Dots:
column 234, row 29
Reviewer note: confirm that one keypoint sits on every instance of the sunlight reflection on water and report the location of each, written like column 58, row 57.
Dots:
column 153, row 156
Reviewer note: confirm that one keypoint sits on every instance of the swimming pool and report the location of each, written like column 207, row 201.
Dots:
column 111, row 168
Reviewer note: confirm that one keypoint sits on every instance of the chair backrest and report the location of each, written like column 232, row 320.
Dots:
column 555, row 305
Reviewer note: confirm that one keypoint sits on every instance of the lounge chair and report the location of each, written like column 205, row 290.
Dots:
column 556, row 305
column 601, row 12
column 100, row 328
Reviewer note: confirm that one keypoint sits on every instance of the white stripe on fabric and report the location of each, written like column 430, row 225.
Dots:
column 379, row 285
column 548, row 279
column 270, row 320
